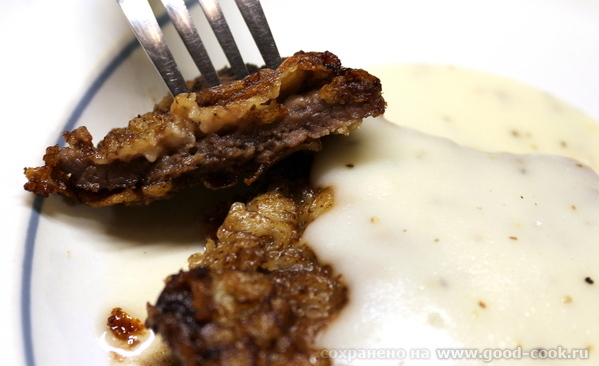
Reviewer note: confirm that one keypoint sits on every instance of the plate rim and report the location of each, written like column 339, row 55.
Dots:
column 38, row 202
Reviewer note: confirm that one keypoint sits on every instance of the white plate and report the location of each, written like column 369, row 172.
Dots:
column 72, row 254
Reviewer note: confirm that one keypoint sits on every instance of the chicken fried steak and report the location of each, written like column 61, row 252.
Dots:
column 257, row 295
column 212, row 136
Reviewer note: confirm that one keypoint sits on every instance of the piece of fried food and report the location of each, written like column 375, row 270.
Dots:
column 216, row 137
column 257, row 295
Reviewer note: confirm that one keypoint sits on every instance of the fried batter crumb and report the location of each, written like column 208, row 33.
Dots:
column 125, row 328
column 127, row 335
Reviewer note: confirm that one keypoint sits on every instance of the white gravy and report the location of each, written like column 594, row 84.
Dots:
column 486, row 112
column 444, row 246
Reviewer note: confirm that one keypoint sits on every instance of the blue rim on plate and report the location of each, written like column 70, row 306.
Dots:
column 38, row 202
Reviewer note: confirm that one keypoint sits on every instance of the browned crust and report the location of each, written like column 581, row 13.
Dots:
column 257, row 295
column 215, row 137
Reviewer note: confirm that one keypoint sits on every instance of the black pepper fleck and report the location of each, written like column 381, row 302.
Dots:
column 589, row 280
column 349, row 165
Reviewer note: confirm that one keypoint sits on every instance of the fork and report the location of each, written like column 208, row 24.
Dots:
column 147, row 30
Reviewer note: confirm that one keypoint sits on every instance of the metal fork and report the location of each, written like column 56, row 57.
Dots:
column 148, row 32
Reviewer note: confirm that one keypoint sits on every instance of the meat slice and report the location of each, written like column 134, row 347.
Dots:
column 212, row 136
column 257, row 295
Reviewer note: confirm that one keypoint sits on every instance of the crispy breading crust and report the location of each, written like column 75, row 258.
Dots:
column 216, row 137
column 257, row 295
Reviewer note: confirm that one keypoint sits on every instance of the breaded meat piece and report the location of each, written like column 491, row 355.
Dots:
column 212, row 136
column 257, row 295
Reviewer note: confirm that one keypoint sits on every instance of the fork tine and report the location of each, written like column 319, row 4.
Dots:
column 179, row 15
column 146, row 29
column 221, row 29
column 254, row 17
